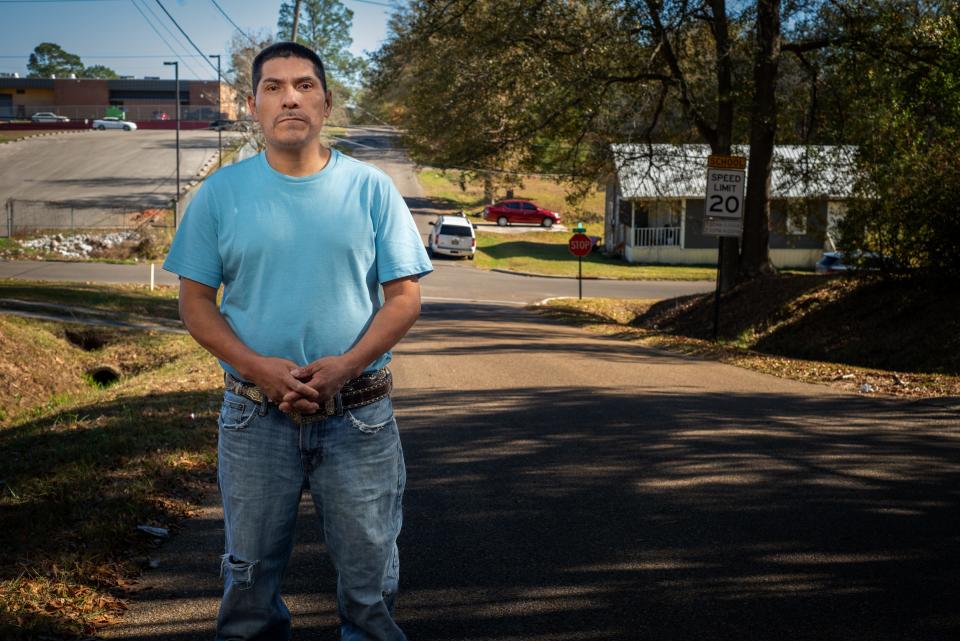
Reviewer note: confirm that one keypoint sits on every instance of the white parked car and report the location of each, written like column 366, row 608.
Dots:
column 112, row 122
column 48, row 116
column 452, row 236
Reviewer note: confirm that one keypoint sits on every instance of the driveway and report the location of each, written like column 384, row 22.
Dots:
column 134, row 169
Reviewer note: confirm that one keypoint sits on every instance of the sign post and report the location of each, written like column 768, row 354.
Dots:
column 580, row 245
column 723, row 210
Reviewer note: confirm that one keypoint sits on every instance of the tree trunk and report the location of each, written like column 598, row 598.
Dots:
column 755, row 253
column 488, row 189
column 296, row 21
column 730, row 247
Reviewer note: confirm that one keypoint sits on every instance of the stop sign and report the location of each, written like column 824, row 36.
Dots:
column 580, row 244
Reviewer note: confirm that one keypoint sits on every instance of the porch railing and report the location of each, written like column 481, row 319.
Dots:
column 656, row 236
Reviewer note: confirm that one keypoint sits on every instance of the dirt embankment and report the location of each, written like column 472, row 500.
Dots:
column 867, row 335
column 900, row 325
column 41, row 361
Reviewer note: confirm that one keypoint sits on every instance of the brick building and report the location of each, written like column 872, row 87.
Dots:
column 141, row 99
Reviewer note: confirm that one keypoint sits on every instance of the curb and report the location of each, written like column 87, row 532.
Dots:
column 207, row 165
column 56, row 132
column 535, row 275
column 200, row 176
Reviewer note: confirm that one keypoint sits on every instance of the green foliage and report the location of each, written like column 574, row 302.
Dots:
column 100, row 71
column 242, row 50
column 49, row 59
column 467, row 101
column 324, row 26
column 909, row 190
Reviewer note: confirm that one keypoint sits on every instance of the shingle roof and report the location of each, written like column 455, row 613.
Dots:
column 679, row 171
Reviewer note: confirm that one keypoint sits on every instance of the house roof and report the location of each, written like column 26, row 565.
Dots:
column 679, row 171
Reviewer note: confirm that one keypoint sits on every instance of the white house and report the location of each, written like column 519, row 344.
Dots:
column 655, row 202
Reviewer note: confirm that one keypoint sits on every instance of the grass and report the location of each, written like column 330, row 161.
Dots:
column 10, row 136
column 128, row 300
column 893, row 338
column 546, row 253
column 84, row 465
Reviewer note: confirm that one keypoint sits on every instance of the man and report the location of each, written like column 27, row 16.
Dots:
column 303, row 239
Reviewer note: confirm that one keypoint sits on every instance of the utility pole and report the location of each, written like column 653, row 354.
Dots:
column 296, row 21
column 176, row 200
column 219, row 113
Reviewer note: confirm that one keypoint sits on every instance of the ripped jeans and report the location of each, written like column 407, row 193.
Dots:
column 354, row 466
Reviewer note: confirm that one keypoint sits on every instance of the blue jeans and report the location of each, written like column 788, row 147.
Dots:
column 354, row 467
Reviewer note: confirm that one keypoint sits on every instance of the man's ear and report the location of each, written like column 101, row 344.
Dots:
column 329, row 102
column 252, row 106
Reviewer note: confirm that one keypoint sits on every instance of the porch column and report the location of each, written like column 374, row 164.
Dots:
column 683, row 223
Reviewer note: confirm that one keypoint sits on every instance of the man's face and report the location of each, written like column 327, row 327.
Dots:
column 290, row 104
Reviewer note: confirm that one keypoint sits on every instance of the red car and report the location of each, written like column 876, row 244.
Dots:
column 520, row 211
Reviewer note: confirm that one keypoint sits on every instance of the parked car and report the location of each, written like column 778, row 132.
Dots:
column 834, row 262
column 111, row 122
column 520, row 211
column 48, row 116
column 222, row 125
column 452, row 236
column 161, row 115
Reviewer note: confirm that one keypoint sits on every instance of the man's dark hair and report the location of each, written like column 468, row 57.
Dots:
column 287, row 50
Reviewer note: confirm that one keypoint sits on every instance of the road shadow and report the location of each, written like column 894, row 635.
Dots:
column 427, row 205
column 543, row 513
column 186, row 143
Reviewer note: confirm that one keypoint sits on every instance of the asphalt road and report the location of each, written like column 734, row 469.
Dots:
column 563, row 486
column 135, row 169
column 450, row 282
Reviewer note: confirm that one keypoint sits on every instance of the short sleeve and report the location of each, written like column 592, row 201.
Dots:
column 195, row 252
column 400, row 251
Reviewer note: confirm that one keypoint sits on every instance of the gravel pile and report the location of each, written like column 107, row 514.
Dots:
column 81, row 245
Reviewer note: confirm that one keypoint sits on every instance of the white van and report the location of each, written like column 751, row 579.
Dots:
column 452, row 236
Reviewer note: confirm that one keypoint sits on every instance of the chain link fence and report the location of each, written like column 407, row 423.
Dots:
column 133, row 111
column 29, row 217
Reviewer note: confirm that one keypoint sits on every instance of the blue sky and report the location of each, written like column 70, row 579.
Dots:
column 111, row 32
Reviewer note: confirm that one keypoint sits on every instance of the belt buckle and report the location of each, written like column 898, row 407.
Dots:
column 330, row 407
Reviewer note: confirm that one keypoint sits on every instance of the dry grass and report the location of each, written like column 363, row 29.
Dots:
column 548, row 254
column 858, row 335
column 84, row 465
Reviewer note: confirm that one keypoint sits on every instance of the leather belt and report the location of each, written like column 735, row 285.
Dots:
column 357, row 392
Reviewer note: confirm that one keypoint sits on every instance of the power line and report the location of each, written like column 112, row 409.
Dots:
column 173, row 36
column 206, row 58
column 50, row 1
column 230, row 20
column 380, row 4
column 177, row 25
column 115, row 56
column 164, row 40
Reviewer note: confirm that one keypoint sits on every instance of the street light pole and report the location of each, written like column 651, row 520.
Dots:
column 219, row 113
column 176, row 200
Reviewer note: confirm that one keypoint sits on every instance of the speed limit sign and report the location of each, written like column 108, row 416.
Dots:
column 723, row 208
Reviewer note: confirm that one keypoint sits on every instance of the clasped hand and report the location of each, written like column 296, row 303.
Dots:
column 302, row 389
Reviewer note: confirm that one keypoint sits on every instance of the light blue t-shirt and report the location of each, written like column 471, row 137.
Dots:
column 300, row 258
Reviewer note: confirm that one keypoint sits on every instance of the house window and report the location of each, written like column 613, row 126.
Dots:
column 796, row 221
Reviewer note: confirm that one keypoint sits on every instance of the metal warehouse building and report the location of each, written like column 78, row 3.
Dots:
column 141, row 99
